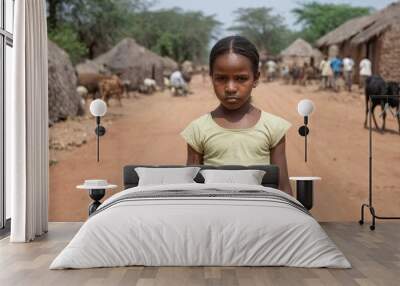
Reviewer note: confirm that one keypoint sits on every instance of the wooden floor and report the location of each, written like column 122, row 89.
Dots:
column 375, row 257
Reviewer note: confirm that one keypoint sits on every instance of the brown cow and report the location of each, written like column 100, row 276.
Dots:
column 111, row 86
column 91, row 82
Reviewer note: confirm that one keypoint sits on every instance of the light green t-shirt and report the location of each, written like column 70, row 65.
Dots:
column 224, row 146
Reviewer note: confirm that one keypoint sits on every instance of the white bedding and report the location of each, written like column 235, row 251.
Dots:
column 182, row 231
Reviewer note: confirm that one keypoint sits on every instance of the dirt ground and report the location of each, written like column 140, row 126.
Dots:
column 146, row 131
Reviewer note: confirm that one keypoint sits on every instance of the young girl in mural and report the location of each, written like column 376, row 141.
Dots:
column 236, row 132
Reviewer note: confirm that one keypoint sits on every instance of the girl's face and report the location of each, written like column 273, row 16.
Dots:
column 233, row 79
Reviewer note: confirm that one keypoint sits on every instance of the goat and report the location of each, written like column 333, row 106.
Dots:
column 375, row 85
column 82, row 91
column 150, row 85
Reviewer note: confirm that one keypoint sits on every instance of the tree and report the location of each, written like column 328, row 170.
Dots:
column 90, row 27
column 67, row 38
column 319, row 19
column 97, row 23
column 181, row 35
column 267, row 31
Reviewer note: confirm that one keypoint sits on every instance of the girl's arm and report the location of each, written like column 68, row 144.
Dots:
column 193, row 157
column 278, row 157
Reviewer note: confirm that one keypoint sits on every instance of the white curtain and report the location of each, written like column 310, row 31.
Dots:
column 27, row 124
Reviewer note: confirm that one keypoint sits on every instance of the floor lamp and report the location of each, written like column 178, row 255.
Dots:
column 370, row 205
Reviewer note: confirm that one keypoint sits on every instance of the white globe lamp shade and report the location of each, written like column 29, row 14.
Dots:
column 98, row 107
column 305, row 107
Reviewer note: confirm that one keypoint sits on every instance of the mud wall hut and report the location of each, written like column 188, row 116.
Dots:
column 376, row 36
column 63, row 101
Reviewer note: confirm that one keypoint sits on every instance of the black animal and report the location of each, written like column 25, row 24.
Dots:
column 376, row 85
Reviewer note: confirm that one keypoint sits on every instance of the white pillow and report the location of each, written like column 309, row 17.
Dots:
column 248, row 177
column 163, row 176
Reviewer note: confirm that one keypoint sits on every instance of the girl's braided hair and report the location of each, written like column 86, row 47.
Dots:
column 238, row 45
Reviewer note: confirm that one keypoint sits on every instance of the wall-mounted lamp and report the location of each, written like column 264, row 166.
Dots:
column 305, row 108
column 98, row 108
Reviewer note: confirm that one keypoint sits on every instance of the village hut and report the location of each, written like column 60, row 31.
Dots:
column 133, row 63
column 376, row 36
column 91, row 67
column 169, row 66
column 63, row 100
column 300, row 51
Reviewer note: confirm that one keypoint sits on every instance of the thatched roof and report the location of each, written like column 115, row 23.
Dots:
column 91, row 67
column 299, row 48
column 133, row 62
column 345, row 31
column 382, row 20
column 361, row 29
column 64, row 101
column 169, row 66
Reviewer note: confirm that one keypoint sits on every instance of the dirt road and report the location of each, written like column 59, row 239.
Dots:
column 148, row 133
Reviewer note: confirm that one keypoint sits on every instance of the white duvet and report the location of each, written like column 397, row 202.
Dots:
column 183, row 231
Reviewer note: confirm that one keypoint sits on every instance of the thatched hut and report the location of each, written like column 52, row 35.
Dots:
column 133, row 62
column 300, row 51
column 91, row 67
column 64, row 101
column 169, row 66
column 376, row 36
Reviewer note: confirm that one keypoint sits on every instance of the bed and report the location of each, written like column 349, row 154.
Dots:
column 201, row 224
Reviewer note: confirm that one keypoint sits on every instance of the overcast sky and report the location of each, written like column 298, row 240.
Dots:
column 223, row 8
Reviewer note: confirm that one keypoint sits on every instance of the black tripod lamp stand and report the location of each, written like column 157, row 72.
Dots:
column 305, row 108
column 98, row 108
column 369, row 205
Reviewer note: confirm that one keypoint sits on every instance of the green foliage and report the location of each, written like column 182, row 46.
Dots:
column 266, row 30
column 319, row 19
column 174, row 33
column 100, row 24
column 67, row 38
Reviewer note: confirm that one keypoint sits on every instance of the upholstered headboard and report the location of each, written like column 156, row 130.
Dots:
column 270, row 179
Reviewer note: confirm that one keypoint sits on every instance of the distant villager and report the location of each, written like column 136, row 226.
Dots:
column 365, row 71
column 178, row 84
column 348, row 65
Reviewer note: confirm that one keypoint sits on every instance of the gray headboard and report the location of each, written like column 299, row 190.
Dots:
column 270, row 179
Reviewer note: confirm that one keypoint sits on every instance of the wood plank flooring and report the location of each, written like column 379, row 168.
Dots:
column 375, row 257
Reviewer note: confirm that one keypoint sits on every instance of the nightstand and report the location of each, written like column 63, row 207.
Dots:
column 97, row 190
column 304, row 190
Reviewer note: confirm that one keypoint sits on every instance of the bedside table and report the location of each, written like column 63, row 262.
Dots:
column 304, row 190
column 97, row 190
